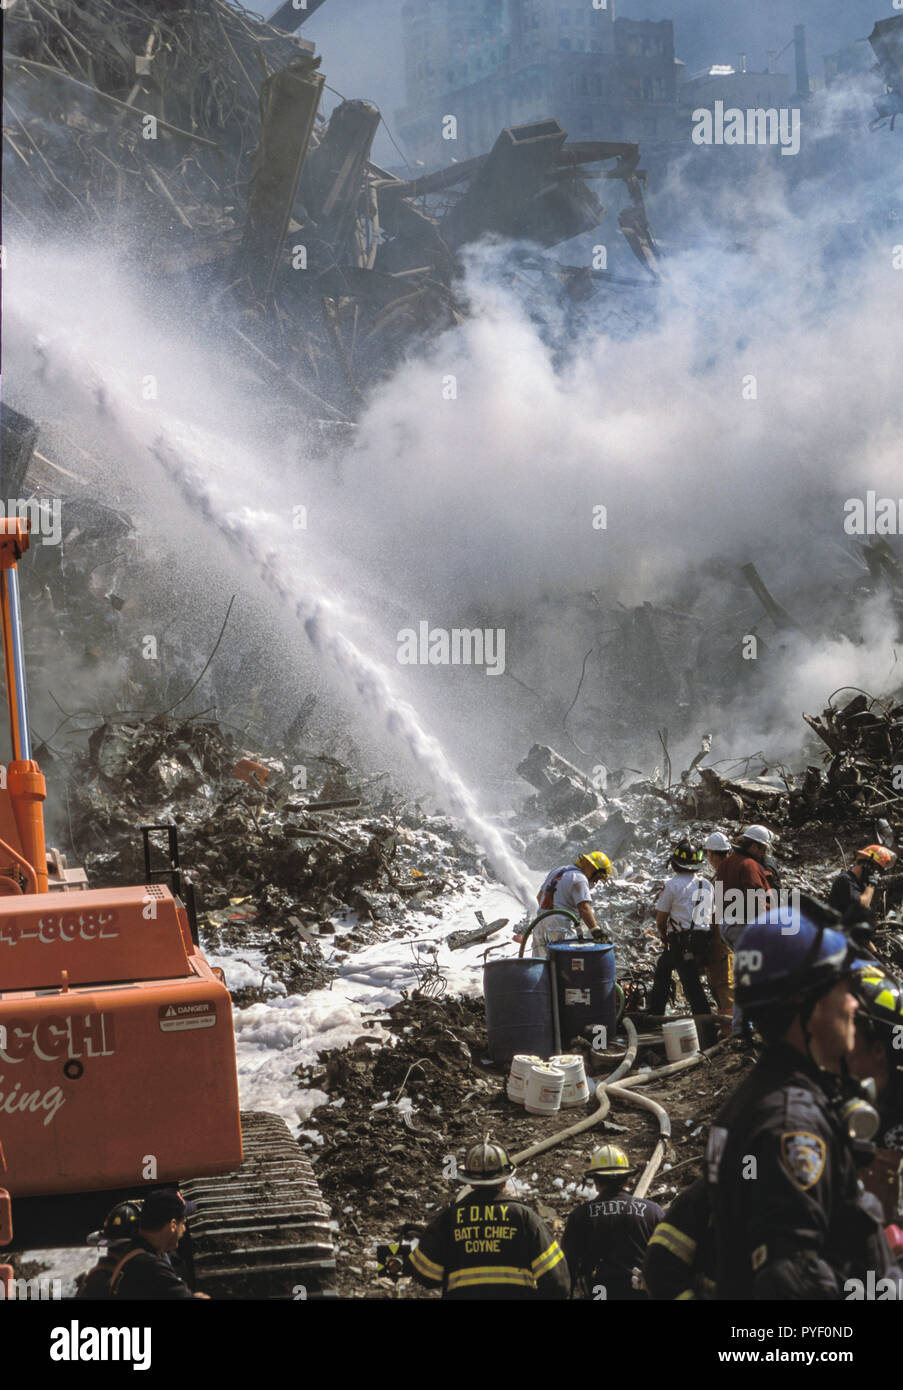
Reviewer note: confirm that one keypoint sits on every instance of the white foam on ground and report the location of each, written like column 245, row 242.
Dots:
column 274, row 1038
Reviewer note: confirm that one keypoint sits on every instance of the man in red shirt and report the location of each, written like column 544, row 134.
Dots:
column 744, row 892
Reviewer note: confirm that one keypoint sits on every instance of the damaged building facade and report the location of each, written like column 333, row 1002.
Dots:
column 493, row 64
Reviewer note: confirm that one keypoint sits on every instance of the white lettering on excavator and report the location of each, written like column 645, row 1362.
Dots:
column 58, row 1036
column 60, row 926
column 50, row 1100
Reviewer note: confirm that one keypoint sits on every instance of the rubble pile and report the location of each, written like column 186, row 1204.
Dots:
column 398, row 1115
column 198, row 125
column 244, row 831
column 864, row 772
column 862, row 780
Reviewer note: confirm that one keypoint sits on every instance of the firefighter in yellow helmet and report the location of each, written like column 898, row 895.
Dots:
column 487, row 1245
column 605, row 1238
column 878, row 1055
column 569, row 887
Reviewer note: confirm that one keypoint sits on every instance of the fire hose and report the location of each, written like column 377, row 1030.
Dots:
column 612, row 1086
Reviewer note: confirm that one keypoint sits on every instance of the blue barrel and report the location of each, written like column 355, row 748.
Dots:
column 586, row 989
column 518, row 998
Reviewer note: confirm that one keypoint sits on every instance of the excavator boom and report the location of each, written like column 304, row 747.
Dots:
column 23, row 853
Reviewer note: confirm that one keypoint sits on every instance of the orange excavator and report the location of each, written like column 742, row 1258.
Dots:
column 117, row 1053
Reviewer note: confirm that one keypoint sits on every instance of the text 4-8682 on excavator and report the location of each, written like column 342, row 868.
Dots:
column 117, row 1053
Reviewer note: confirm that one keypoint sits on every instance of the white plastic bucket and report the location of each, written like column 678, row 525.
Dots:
column 575, row 1091
column 517, row 1077
column 681, row 1039
column 543, row 1091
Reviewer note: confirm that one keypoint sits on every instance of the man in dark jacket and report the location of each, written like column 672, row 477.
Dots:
column 605, row 1238
column 145, row 1271
column 790, row 1220
column 120, row 1229
column 680, row 1256
column 877, row 1056
column 487, row 1246
column 854, row 887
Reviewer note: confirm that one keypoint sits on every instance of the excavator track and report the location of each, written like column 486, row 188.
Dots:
column 262, row 1232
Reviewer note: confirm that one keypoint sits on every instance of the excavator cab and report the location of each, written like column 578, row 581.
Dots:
column 117, row 1053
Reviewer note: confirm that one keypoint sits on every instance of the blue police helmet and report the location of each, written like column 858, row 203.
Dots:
column 787, row 955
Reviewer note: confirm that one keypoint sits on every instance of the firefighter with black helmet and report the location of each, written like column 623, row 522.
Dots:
column 487, row 1245
column 790, row 1219
column 119, row 1230
column 683, row 916
column 605, row 1239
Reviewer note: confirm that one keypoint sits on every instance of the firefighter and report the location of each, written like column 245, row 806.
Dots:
column 743, row 887
column 719, row 970
column 569, row 887
column 605, row 1239
column 680, row 1257
column 683, row 918
column 853, row 887
column 877, row 1055
column 487, row 1245
column 119, row 1230
column 789, row 1217
column 145, row 1270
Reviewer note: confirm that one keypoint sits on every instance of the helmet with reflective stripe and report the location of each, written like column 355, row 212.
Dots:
column 879, row 855
column 881, row 998
column 785, row 958
column 486, row 1165
column 686, row 856
column 609, row 1161
column 595, row 864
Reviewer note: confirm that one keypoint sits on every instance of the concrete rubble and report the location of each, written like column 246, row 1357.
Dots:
column 200, row 123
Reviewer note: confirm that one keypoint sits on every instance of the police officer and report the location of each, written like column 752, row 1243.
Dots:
column 605, row 1239
column 680, row 1257
column 790, row 1218
column 488, row 1246
column 119, row 1230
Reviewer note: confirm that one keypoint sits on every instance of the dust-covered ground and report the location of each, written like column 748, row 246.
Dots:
column 408, row 1109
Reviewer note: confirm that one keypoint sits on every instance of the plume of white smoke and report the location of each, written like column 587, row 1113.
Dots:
column 758, row 394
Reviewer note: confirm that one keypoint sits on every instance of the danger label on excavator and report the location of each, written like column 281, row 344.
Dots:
column 176, row 1018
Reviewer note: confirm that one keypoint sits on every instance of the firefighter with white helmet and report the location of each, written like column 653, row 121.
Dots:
column 487, row 1245
column 605, row 1238
column 743, row 888
column 719, row 966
